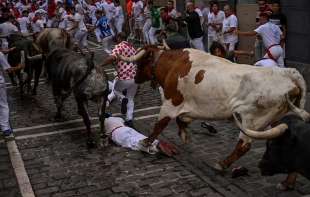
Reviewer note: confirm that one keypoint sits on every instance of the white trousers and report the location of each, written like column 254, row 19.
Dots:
column 152, row 37
column 230, row 46
column 81, row 38
column 118, row 23
column 267, row 63
column 117, row 92
column 4, row 109
column 197, row 43
column 146, row 29
column 106, row 42
column 130, row 138
column 277, row 54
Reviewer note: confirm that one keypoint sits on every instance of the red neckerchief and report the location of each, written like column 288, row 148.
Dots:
column 215, row 13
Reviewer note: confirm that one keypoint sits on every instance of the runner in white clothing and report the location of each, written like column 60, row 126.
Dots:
column 215, row 23
column 24, row 22
column 271, row 35
column 80, row 35
column 118, row 17
column 6, row 29
column 130, row 138
column 230, row 24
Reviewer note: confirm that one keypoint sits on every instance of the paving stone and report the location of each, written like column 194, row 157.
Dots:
column 46, row 191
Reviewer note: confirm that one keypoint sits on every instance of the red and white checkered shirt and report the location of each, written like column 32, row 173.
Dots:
column 125, row 70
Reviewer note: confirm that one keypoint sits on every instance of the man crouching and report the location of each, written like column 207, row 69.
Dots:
column 129, row 138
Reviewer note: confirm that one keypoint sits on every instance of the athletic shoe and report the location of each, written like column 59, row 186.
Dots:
column 8, row 134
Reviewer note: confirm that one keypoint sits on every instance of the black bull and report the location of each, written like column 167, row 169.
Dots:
column 289, row 153
column 23, row 53
column 70, row 72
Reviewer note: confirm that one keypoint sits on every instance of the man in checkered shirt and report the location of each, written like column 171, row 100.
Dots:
column 124, row 81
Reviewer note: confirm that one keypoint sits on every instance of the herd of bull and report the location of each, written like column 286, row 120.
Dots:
column 195, row 85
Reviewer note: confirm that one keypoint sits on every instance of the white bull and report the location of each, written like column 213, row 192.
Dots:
column 197, row 85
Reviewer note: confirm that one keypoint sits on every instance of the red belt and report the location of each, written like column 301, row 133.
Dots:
column 115, row 129
column 269, row 53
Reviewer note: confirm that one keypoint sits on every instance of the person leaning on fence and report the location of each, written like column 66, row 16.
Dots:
column 194, row 29
column 174, row 39
column 271, row 35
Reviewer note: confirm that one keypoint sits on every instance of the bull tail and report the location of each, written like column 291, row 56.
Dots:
column 298, row 79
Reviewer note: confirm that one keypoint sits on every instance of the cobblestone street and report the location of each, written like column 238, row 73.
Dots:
column 59, row 164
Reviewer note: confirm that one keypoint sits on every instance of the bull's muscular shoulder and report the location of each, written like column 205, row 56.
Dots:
column 174, row 64
column 178, row 64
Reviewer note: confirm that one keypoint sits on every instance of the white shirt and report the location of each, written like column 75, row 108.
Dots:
column 62, row 23
column 38, row 26
column 23, row 24
column 118, row 15
column 68, row 19
column 109, row 9
column 229, row 22
column 199, row 12
column 205, row 12
column 80, row 19
column 7, row 28
column 270, row 33
column 137, row 8
column 173, row 13
column 92, row 13
column 212, row 18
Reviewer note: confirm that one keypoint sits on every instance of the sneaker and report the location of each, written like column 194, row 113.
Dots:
column 129, row 123
column 124, row 105
column 8, row 134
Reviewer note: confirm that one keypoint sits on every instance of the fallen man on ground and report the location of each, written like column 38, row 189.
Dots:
column 130, row 138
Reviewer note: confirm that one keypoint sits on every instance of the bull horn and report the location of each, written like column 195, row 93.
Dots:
column 267, row 134
column 298, row 111
column 35, row 57
column 166, row 45
column 134, row 58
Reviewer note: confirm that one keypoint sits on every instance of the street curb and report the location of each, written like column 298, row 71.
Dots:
column 19, row 169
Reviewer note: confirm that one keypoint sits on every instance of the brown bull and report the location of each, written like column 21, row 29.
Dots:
column 197, row 85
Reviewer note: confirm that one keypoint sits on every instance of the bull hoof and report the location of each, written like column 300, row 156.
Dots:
column 185, row 137
column 218, row 167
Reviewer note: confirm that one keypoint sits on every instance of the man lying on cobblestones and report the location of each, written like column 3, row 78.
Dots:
column 130, row 138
